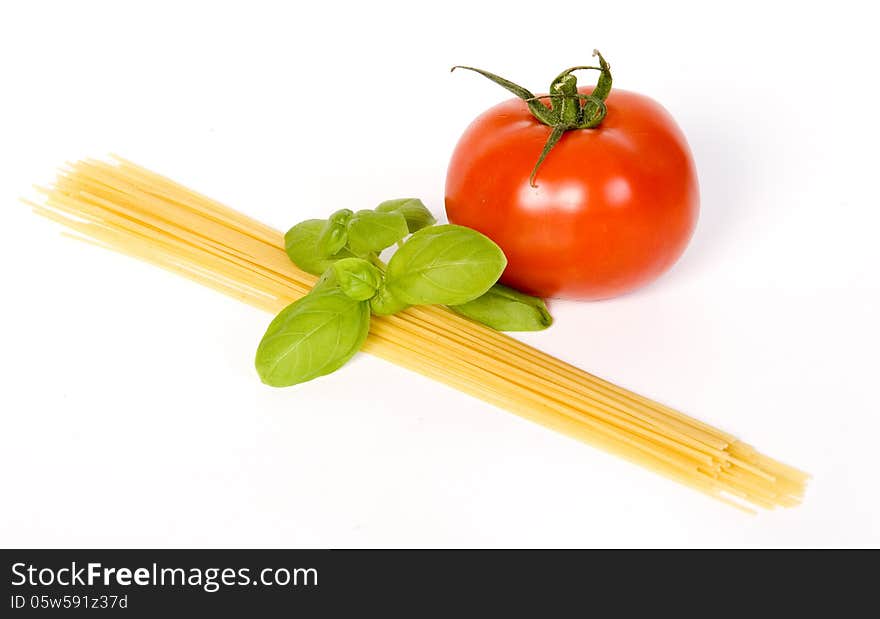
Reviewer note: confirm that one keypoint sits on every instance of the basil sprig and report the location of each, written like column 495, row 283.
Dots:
column 436, row 265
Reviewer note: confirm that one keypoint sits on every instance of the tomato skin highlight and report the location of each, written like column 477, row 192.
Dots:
column 614, row 206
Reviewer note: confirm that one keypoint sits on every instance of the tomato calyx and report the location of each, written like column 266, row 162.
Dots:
column 568, row 109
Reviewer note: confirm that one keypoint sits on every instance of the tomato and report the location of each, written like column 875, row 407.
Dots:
column 614, row 206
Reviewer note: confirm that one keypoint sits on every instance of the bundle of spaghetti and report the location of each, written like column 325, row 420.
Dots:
column 121, row 206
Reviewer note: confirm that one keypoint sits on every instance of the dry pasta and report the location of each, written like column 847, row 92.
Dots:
column 124, row 207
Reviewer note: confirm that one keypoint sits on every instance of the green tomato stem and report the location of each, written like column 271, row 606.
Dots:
column 377, row 262
column 568, row 110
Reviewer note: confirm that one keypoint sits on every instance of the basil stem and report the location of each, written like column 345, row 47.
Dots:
column 385, row 303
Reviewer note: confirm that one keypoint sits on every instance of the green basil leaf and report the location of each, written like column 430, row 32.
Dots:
column 371, row 232
column 444, row 265
column 385, row 303
column 301, row 243
column 327, row 280
column 311, row 337
column 357, row 278
column 342, row 216
column 334, row 236
column 506, row 309
column 414, row 211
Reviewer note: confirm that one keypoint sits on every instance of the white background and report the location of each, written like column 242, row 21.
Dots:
column 131, row 413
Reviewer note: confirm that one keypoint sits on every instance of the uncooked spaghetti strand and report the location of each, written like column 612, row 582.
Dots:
column 584, row 378
column 193, row 200
column 442, row 372
column 574, row 389
column 198, row 266
column 501, row 382
column 435, row 343
column 137, row 205
column 578, row 402
column 571, row 370
column 102, row 209
column 473, row 374
column 634, row 407
column 208, row 257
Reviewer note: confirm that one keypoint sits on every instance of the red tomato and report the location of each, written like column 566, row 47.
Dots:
column 614, row 206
